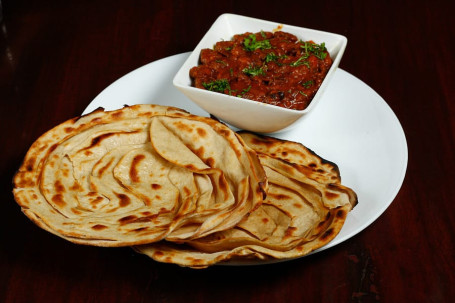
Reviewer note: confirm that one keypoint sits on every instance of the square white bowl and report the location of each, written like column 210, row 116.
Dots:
column 243, row 113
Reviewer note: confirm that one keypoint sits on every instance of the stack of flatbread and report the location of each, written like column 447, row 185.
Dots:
column 180, row 188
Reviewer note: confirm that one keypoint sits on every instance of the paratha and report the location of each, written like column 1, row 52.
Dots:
column 305, row 208
column 138, row 175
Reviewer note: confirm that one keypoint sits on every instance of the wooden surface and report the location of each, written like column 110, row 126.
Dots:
column 56, row 56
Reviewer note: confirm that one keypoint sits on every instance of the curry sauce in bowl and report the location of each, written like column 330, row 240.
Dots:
column 270, row 67
column 259, row 75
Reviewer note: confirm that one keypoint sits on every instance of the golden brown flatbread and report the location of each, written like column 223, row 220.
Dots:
column 138, row 175
column 305, row 208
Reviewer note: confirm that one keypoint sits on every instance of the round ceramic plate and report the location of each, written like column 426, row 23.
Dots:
column 352, row 126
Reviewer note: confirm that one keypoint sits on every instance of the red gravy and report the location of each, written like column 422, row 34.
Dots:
column 273, row 68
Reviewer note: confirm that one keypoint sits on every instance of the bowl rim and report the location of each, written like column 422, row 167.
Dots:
column 182, row 74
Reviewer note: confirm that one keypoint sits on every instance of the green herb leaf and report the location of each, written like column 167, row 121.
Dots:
column 221, row 62
column 301, row 61
column 244, row 91
column 271, row 57
column 218, row 86
column 318, row 50
column 253, row 71
column 307, row 84
column 250, row 43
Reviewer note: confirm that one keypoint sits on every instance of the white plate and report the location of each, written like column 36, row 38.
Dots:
column 351, row 126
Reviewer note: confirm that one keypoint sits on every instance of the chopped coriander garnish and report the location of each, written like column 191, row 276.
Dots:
column 244, row 91
column 218, row 86
column 270, row 57
column 301, row 61
column 303, row 94
column 253, row 71
column 221, row 61
column 307, row 84
column 250, row 43
column 319, row 50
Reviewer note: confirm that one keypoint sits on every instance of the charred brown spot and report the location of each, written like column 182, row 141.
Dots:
column 88, row 153
column 183, row 127
column 75, row 211
column 328, row 233
column 96, row 201
column 262, row 141
column 201, row 132
column 103, row 169
column 331, row 196
column 146, row 213
column 210, row 162
column 124, row 199
column 112, row 210
column 297, row 205
column 145, row 219
column 117, row 115
column 299, row 248
column 99, row 227
column 265, row 220
column 68, row 130
column 168, row 260
column 58, row 200
column 290, row 231
column 224, row 132
column 96, row 141
column 279, row 196
column 341, row 214
column 195, row 261
column 133, row 169
column 65, row 172
column 139, row 229
column 190, row 167
column 187, row 191
column 328, row 216
column 59, row 188
column 127, row 219
column 313, row 165
column 147, row 201
column 53, row 147
column 261, row 190
column 200, row 152
column 156, row 186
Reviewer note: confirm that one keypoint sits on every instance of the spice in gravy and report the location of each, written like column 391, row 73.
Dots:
column 273, row 68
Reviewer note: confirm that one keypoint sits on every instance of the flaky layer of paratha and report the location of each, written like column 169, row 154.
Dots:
column 138, row 175
column 305, row 208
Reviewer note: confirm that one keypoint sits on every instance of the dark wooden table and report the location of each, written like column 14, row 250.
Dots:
column 56, row 56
